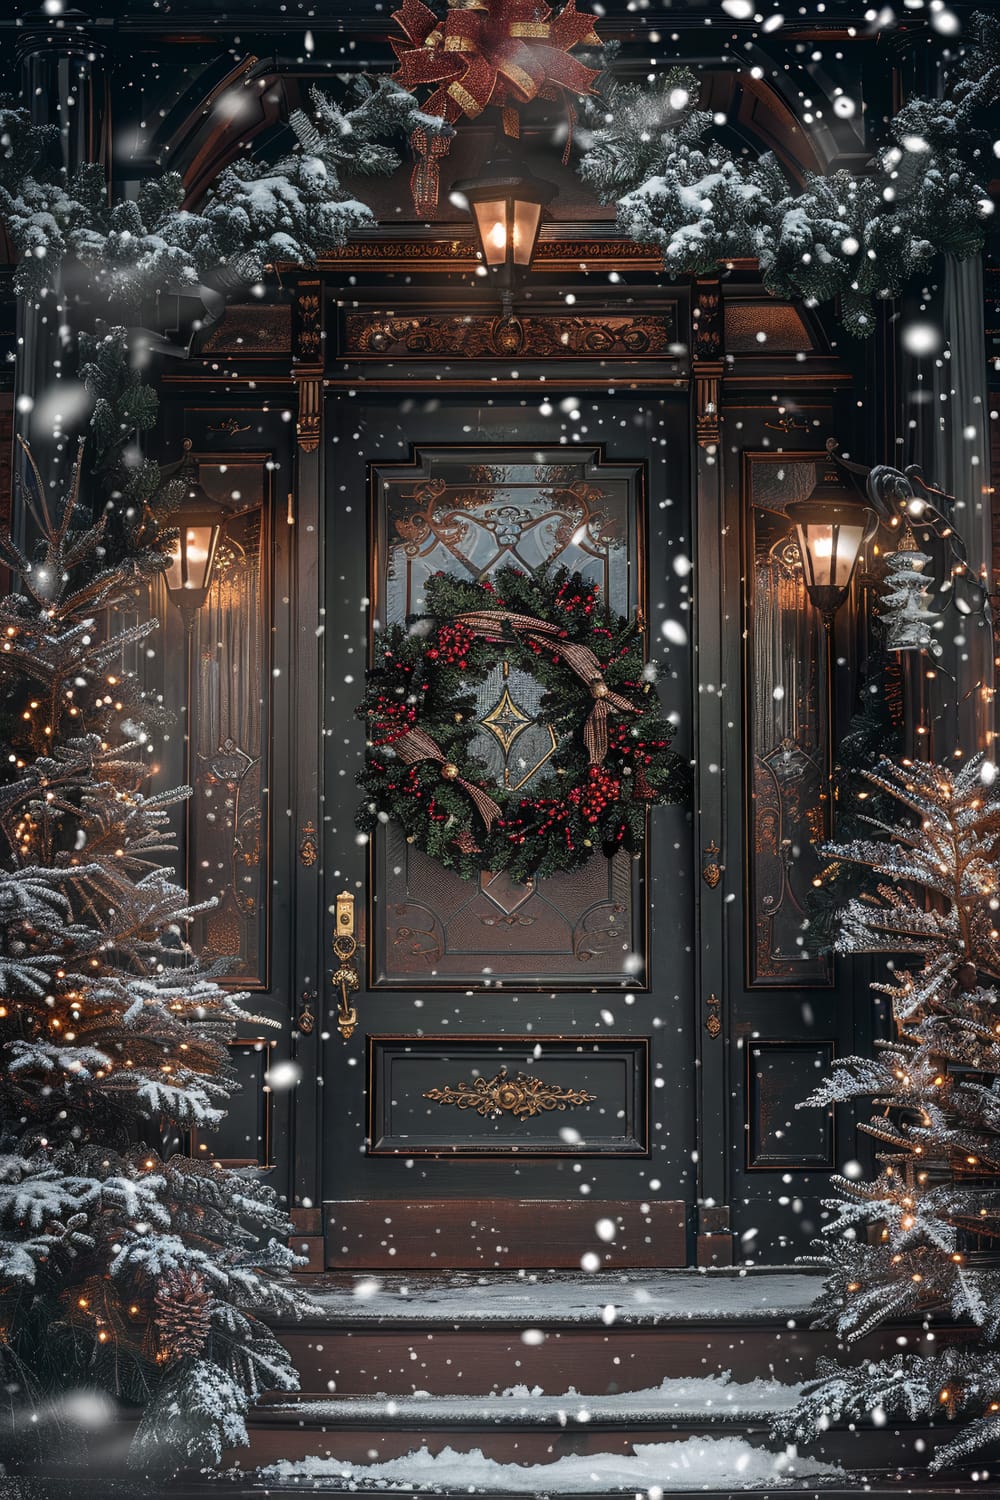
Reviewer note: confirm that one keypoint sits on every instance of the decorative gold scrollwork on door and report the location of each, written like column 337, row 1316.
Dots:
column 522, row 1096
column 345, row 978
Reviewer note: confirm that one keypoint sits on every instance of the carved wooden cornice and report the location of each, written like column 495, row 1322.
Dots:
column 458, row 253
column 376, row 336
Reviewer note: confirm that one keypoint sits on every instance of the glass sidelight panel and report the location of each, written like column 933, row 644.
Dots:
column 785, row 718
column 228, row 826
column 469, row 511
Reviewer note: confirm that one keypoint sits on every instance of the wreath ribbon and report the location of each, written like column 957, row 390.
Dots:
column 503, row 52
column 580, row 659
column 416, row 744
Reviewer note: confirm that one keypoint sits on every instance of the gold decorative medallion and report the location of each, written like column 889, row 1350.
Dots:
column 713, row 1022
column 522, row 1096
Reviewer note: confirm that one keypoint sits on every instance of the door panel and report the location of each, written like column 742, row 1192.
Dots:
column 526, row 1041
column 468, row 512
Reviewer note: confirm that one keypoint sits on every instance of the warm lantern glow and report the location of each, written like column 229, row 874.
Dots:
column 193, row 555
column 506, row 204
column 189, row 573
column 831, row 528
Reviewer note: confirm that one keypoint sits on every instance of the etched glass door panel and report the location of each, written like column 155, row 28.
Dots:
column 470, row 512
column 786, row 721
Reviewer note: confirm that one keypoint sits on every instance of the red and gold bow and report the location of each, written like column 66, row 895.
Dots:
column 502, row 52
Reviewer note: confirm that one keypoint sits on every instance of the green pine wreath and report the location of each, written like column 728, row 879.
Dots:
column 612, row 760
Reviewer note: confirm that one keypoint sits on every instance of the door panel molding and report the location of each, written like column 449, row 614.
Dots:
column 505, row 1095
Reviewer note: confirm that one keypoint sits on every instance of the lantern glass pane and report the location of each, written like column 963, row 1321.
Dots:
column 526, row 220
column 491, row 221
column 847, row 547
column 175, row 571
column 816, row 551
column 191, row 557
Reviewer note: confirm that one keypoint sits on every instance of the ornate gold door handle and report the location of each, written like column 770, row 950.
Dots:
column 345, row 978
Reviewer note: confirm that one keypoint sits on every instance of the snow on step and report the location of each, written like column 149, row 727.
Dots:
column 647, row 1297
column 697, row 1463
column 716, row 1397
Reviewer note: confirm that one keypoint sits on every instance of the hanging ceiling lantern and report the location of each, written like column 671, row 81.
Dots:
column 199, row 525
column 832, row 526
column 506, row 204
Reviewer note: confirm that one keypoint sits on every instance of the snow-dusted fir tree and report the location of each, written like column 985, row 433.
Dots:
column 897, row 1246
column 908, row 622
column 121, row 1268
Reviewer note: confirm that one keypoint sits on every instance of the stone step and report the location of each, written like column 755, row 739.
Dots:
column 488, row 1361
column 541, row 1429
column 411, row 1371
column 633, row 1298
column 482, row 1334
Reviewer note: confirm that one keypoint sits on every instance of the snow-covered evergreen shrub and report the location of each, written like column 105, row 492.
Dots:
column 907, row 1244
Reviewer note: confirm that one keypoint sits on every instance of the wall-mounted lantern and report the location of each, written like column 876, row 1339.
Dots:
column 199, row 525
column 831, row 526
column 506, row 204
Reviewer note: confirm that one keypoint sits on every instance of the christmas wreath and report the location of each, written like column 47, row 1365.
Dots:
column 611, row 758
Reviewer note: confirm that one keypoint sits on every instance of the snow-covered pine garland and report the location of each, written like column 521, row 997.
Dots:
column 855, row 237
column 859, row 238
column 254, row 215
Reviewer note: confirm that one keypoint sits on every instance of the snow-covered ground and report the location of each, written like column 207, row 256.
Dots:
column 702, row 1396
column 634, row 1297
column 651, row 1469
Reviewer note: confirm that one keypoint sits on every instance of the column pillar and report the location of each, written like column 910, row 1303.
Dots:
column 714, row 1242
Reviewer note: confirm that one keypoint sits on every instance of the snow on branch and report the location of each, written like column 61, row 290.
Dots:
column 861, row 238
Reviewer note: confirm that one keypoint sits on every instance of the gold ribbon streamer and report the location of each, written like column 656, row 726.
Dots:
column 416, row 744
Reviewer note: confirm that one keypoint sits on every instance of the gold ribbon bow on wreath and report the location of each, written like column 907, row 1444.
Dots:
column 501, row 52
column 416, row 744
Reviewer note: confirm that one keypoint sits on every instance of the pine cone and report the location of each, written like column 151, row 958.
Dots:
column 183, row 1313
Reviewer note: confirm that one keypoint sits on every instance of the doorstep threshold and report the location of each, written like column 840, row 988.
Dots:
column 633, row 1297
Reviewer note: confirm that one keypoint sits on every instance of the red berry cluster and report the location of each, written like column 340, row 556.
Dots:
column 535, row 818
column 452, row 645
column 390, row 719
column 639, row 751
column 598, row 791
column 576, row 598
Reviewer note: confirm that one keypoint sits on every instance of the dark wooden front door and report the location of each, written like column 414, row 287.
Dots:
column 474, row 994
